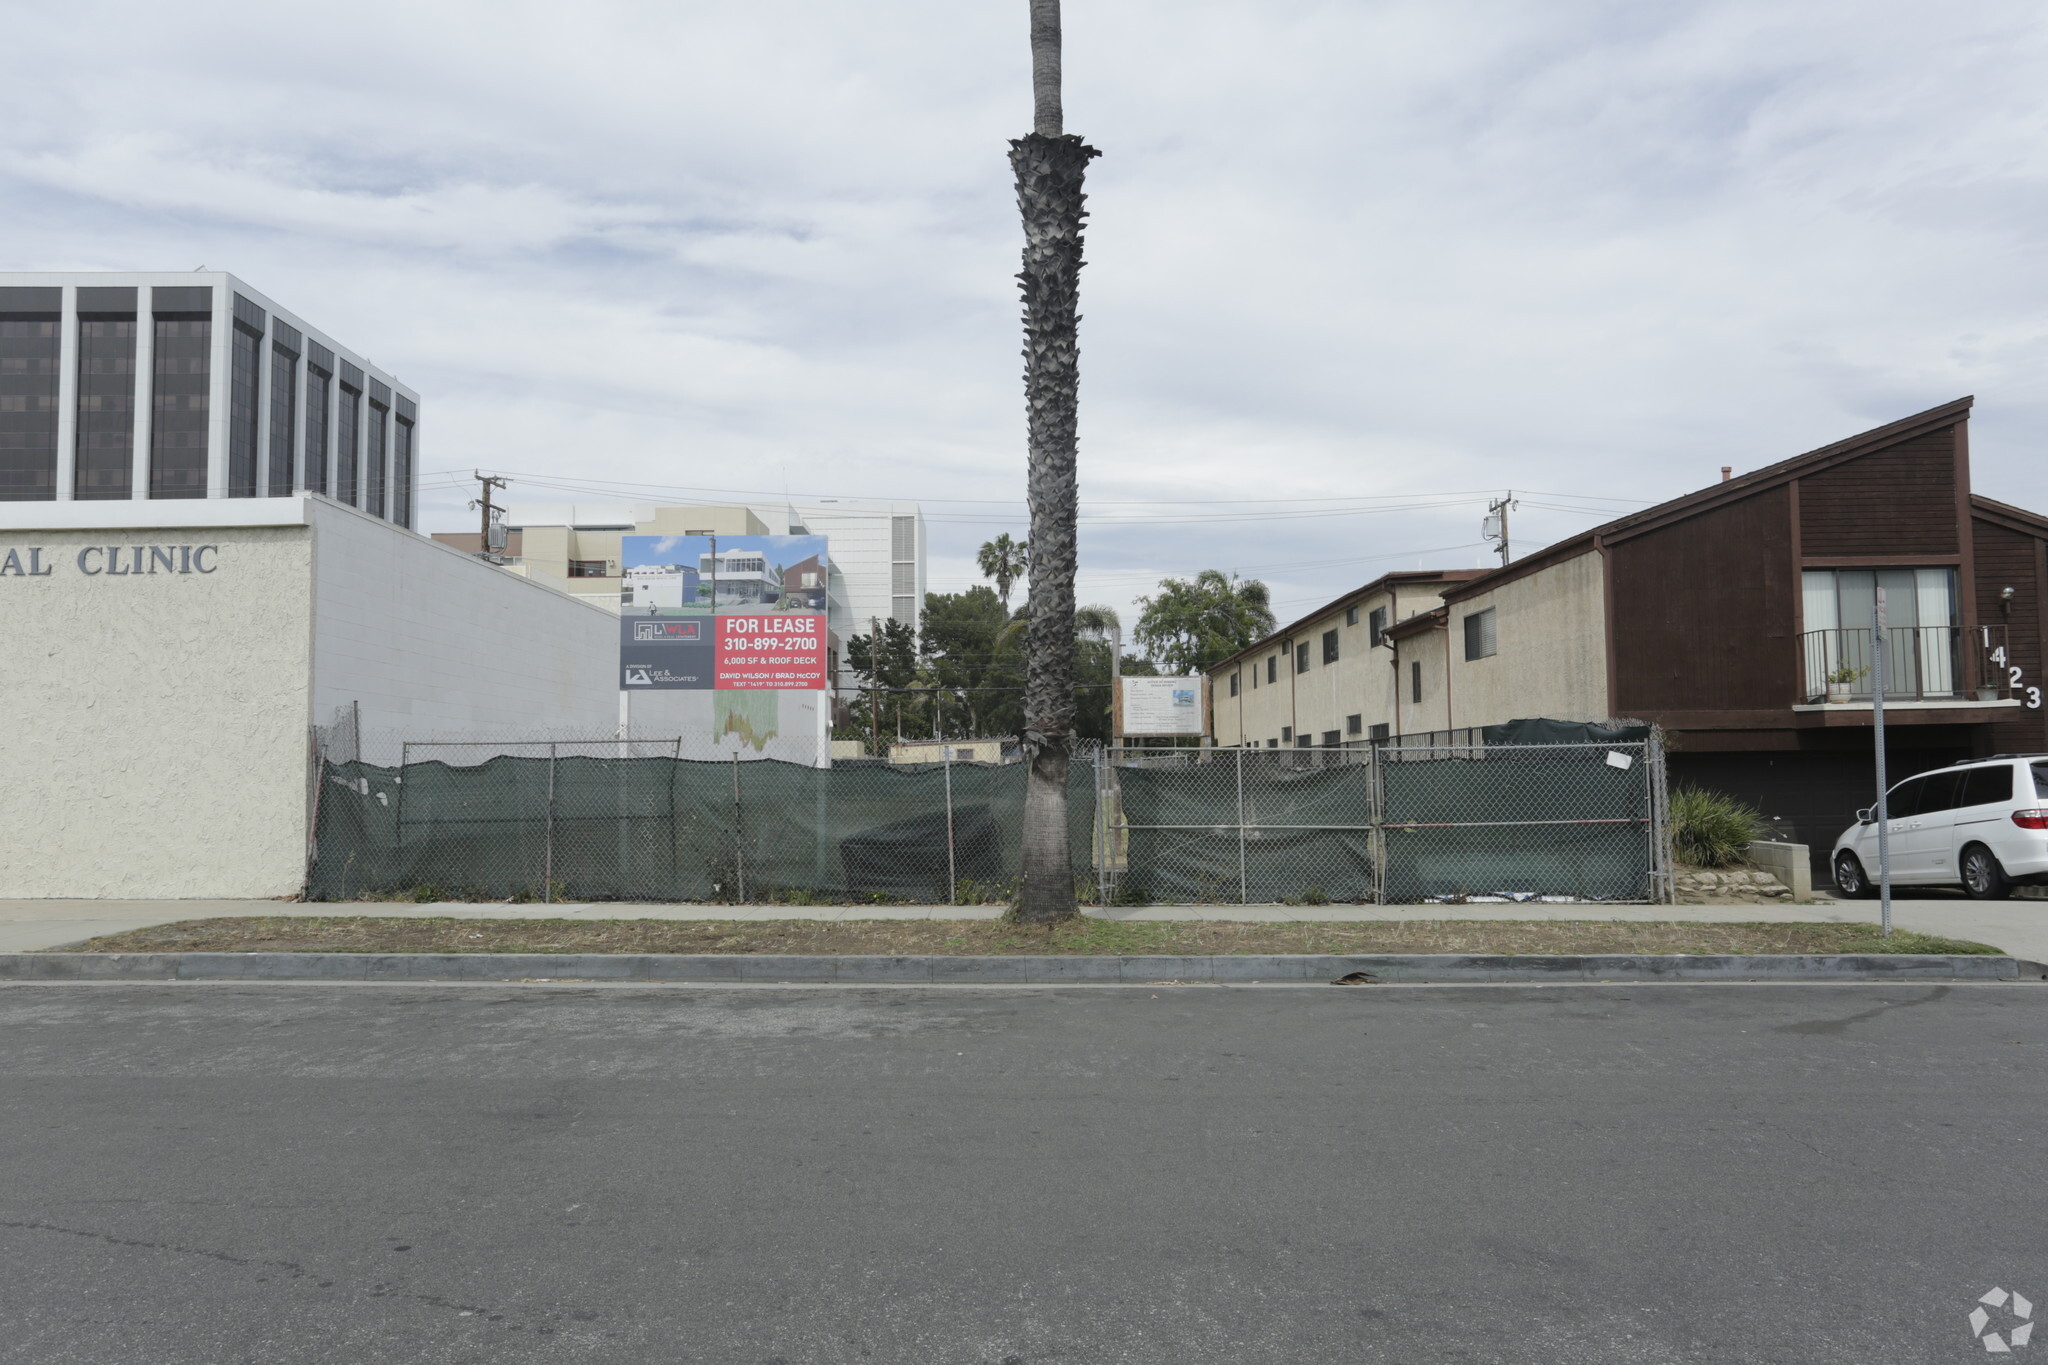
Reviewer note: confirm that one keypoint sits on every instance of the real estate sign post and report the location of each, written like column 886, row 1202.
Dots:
column 723, row 613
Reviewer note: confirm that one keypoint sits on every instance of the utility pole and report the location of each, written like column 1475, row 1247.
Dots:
column 875, row 677
column 1496, row 526
column 488, row 481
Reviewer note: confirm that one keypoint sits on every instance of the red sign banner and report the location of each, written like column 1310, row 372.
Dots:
column 785, row 652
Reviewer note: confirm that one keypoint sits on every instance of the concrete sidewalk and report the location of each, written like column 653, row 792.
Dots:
column 2019, row 927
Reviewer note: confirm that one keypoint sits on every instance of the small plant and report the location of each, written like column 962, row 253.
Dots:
column 1712, row 829
column 1315, row 895
column 1847, row 673
column 1131, row 893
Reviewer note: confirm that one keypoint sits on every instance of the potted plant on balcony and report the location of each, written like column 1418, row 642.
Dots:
column 1841, row 680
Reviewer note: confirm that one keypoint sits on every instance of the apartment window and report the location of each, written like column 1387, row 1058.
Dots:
column 379, row 443
column 1329, row 646
column 1233, row 684
column 319, row 414
column 1351, row 616
column 284, row 404
column 401, row 461
column 1302, row 741
column 1272, row 668
column 1272, row 744
column 1381, row 733
column 1376, row 625
column 1330, row 739
column 1287, row 732
column 1354, row 725
column 245, row 412
column 30, row 351
column 1920, row 612
column 586, row 568
column 182, row 361
column 1479, row 639
column 1255, row 675
column 106, row 394
column 1415, row 682
column 1301, row 657
column 348, row 422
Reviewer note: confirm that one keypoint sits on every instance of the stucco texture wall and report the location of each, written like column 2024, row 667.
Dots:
column 431, row 643
column 1551, row 630
column 155, row 742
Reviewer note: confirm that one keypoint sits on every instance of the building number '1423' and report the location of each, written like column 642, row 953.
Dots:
column 2017, row 679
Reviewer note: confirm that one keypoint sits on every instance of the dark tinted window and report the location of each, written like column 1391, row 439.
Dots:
column 1986, row 786
column 1301, row 657
column 1329, row 646
column 1904, row 799
column 1940, row 792
column 183, row 365
column 2041, row 781
column 106, row 402
column 30, row 349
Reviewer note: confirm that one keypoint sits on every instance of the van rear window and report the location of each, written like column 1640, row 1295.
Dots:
column 2041, row 781
column 1986, row 786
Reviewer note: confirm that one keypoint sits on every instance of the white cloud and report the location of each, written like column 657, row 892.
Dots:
column 1338, row 248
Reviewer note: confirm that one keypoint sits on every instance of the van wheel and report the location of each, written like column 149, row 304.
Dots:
column 1983, row 878
column 1849, row 878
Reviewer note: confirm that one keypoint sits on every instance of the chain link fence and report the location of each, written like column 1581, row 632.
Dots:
column 1446, row 816
column 611, row 819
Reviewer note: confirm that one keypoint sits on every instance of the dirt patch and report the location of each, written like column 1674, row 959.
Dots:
column 369, row 934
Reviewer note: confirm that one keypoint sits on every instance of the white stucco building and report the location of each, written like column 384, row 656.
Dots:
column 165, row 664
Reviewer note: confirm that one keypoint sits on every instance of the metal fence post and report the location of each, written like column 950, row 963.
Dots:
column 547, row 866
column 1243, row 883
column 739, row 852
column 952, row 869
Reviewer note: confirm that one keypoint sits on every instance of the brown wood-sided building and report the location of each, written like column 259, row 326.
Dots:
column 1738, row 619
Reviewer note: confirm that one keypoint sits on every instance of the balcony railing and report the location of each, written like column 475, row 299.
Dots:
column 1922, row 663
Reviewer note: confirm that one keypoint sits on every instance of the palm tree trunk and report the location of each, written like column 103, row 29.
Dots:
column 1050, row 165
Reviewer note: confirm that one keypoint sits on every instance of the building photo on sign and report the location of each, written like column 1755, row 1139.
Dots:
column 723, row 613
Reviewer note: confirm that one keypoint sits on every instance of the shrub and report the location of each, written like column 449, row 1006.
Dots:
column 1712, row 829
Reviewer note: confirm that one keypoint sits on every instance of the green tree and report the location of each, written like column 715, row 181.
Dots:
column 1005, row 561
column 1050, row 164
column 886, row 662
column 973, row 653
column 1191, row 623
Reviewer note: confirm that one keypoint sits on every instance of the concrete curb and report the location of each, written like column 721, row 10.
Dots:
column 852, row 969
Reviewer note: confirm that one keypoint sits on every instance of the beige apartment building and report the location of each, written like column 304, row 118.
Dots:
column 1328, row 679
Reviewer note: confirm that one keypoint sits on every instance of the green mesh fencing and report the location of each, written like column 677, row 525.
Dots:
column 1566, row 820
column 1226, row 825
column 583, row 827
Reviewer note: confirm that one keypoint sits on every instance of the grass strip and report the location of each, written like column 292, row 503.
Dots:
column 378, row 934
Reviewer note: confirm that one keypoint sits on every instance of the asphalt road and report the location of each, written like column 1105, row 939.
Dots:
column 228, row 1174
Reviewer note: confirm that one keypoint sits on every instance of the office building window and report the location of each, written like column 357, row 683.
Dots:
column 180, row 391
column 1479, row 638
column 1303, row 740
column 348, row 420
column 586, row 568
column 1354, row 725
column 1329, row 646
column 1287, row 732
column 401, row 461
column 1376, row 625
column 319, row 414
column 245, row 359
column 1380, row 733
column 1330, row 739
column 902, row 538
column 1415, row 682
column 903, row 580
column 1272, row 744
column 903, row 609
column 31, row 348
column 378, row 439
column 284, row 407
column 1301, row 657
column 106, row 394
column 1233, row 684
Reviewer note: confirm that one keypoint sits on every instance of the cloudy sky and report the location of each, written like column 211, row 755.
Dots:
column 1352, row 265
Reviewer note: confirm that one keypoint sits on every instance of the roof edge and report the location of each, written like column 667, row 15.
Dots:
column 1356, row 594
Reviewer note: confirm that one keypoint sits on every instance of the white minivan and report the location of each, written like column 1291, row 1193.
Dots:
column 1981, row 825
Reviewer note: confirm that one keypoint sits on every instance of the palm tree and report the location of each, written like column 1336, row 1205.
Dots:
column 1005, row 561
column 1050, row 163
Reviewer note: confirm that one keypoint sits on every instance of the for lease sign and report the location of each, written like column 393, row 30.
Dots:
column 781, row 651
